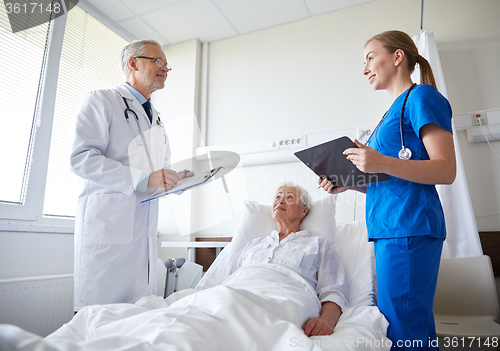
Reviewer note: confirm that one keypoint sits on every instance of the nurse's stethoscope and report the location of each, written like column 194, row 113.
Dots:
column 128, row 111
column 404, row 153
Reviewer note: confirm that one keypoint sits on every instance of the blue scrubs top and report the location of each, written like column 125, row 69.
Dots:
column 397, row 207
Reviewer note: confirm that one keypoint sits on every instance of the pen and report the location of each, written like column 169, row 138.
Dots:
column 184, row 174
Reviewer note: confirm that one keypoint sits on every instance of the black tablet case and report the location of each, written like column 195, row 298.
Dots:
column 327, row 160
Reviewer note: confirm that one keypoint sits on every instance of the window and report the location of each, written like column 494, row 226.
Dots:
column 89, row 61
column 24, row 56
column 47, row 71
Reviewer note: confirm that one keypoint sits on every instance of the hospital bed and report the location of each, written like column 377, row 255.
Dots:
column 250, row 313
column 176, row 274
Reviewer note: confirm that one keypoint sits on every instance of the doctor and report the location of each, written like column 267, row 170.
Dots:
column 119, row 149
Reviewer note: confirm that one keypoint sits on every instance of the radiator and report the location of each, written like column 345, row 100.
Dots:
column 39, row 304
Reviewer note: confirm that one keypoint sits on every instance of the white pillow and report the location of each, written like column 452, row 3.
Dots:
column 357, row 256
column 256, row 221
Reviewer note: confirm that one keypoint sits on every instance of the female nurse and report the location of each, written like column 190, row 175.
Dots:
column 404, row 215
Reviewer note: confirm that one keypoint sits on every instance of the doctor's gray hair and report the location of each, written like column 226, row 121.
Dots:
column 304, row 195
column 133, row 49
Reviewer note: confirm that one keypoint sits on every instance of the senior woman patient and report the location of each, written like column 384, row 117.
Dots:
column 314, row 258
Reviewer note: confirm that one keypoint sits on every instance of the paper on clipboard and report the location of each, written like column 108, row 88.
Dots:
column 184, row 184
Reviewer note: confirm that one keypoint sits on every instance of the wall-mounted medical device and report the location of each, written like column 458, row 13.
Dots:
column 483, row 133
column 480, row 125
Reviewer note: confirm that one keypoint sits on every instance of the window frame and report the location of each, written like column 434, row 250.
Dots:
column 32, row 208
column 29, row 217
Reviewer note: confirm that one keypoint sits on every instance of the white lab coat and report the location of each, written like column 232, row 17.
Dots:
column 115, row 234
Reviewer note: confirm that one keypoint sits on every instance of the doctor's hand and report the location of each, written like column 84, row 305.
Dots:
column 163, row 178
column 365, row 158
column 317, row 326
column 185, row 173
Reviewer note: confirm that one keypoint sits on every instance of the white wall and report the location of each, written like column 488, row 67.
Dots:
column 178, row 104
column 473, row 81
column 307, row 76
column 25, row 254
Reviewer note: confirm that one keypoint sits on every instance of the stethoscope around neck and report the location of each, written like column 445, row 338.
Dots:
column 404, row 153
column 128, row 111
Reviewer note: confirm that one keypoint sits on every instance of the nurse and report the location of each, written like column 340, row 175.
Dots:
column 404, row 215
column 118, row 159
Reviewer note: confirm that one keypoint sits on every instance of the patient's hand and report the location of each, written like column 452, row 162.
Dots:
column 317, row 326
column 328, row 186
column 330, row 314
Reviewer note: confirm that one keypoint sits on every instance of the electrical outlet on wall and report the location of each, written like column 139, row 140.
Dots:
column 364, row 134
column 293, row 142
column 478, row 118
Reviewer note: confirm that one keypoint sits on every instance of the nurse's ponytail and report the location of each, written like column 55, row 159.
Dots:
column 393, row 40
column 426, row 75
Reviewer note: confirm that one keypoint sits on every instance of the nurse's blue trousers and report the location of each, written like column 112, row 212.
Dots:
column 407, row 270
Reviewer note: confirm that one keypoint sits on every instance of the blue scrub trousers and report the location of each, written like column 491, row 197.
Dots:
column 407, row 270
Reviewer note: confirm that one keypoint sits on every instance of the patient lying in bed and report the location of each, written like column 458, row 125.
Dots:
column 314, row 258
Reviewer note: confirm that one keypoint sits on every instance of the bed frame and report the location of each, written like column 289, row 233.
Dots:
column 490, row 241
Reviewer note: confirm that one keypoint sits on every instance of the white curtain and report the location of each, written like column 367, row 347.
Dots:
column 462, row 236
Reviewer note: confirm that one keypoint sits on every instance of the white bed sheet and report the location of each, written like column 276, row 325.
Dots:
column 246, row 313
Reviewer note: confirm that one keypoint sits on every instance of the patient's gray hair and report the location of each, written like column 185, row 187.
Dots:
column 304, row 195
column 133, row 49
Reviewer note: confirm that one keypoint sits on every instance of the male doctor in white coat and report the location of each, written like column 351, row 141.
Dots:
column 118, row 159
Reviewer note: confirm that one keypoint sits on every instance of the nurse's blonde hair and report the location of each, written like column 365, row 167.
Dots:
column 393, row 40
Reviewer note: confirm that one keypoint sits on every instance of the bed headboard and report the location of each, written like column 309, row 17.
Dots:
column 206, row 256
column 490, row 241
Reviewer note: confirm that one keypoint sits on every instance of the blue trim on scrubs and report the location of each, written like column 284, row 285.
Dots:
column 407, row 270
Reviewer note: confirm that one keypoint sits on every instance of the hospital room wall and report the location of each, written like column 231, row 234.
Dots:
column 179, row 107
column 30, row 254
column 306, row 77
column 473, row 82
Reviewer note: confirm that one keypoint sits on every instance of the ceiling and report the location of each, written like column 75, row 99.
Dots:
column 176, row 21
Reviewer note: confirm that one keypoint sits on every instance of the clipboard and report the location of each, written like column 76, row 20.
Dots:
column 184, row 184
column 328, row 161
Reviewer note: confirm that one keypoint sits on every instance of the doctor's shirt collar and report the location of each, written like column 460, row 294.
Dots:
column 136, row 93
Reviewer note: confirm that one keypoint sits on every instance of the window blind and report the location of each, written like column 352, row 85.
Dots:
column 89, row 61
column 23, row 56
